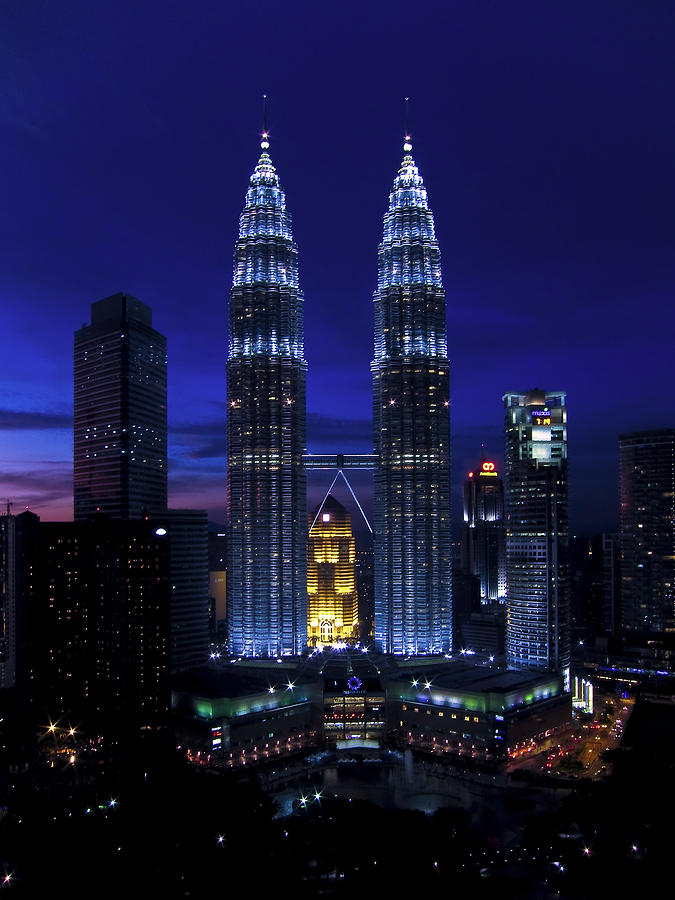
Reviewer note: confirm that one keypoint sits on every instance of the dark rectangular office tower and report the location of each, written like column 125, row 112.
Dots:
column 647, row 537
column 188, row 534
column 7, row 600
column 99, row 627
column 483, row 534
column 120, row 460
column 537, row 538
column 18, row 555
column 611, row 584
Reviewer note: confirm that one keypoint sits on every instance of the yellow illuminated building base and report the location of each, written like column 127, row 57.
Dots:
column 332, row 603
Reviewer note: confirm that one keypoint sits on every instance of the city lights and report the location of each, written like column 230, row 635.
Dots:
column 532, row 756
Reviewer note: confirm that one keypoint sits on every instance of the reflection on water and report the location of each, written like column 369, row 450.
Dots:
column 396, row 787
column 492, row 802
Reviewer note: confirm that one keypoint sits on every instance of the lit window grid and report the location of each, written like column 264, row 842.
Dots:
column 413, row 592
column 266, row 483
column 537, row 536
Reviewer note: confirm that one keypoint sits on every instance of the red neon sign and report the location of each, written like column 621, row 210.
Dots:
column 488, row 467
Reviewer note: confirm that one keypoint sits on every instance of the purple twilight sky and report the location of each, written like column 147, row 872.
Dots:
column 544, row 132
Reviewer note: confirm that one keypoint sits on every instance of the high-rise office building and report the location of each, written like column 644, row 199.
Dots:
column 18, row 559
column 187, row 532
column 332, row 605
column 99, row 627
column 611, row 568
column 120, row 463
column 587, row 589
column 537, row 539
column 413, row 603
column 647, row 530
column 217, row 581
column 266, row 482
column 365, row 590
column 483, row 534
column 7, row 600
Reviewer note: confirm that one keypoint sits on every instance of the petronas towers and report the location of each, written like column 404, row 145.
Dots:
column 411, row 428
column 266, row 483
column 266, row 430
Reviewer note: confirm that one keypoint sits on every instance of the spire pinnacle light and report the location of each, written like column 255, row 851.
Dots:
column 407, row 145
column 265, row 135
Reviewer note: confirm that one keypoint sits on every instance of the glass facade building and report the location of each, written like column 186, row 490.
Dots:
column 413, row 605
column 119, row 424
column 484, row 536
column 647, row 537
column 538, row 629
column 266, row 482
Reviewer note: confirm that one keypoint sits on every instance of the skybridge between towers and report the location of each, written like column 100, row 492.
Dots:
column 330, row 461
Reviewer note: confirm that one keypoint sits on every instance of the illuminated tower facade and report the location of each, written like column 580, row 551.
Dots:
column 266, row 485
column 413, row 602
column 538, row 607
column 332, row 604
column 484, row 536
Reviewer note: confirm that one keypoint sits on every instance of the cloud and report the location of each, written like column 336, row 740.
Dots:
column 193, row 441
column 335, row 434
column 33, row 420
column 48, row 490
column 213, row 449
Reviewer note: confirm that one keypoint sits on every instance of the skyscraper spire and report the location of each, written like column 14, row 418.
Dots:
column 411, row 428
column 407, row 140
column 264, row 135
column 266, row 371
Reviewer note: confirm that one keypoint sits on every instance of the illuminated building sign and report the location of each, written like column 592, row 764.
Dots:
column 541, row 416
column 325, row 517
column 488, row 468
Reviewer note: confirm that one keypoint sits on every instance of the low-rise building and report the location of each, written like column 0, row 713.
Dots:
column 236, row 715
column 475, row 711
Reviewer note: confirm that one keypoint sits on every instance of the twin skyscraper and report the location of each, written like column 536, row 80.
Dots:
column 266, row 429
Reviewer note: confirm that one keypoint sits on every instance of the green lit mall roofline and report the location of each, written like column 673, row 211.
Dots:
column 473, row 688
column 235, row 691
